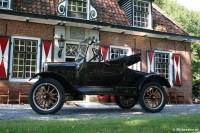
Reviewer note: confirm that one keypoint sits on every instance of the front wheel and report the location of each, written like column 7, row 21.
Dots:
column 47, row 96
column 126, row 102
column 152, row 97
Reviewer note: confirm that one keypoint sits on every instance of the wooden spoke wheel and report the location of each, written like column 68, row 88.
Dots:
column 126, row 102
column 152, row 97
column 47, row 96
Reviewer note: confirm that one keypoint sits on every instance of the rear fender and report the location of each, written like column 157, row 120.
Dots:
column 60, row 78
column 153, row 78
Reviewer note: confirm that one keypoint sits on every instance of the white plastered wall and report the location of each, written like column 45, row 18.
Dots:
column 65, row 31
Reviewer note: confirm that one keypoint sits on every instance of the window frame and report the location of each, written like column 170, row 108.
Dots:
column 170, row 71
column 119, row 47
column 149, row 13
column 11, row 58
column 9, row 5
column 87, row 10
column 69, row 57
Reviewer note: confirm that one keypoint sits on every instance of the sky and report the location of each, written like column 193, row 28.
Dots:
column 193, row 5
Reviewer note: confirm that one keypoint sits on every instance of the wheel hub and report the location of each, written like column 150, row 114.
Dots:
column 46, row 96
column 153, row 98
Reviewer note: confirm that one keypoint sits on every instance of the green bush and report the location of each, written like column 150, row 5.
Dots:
column 196, row 90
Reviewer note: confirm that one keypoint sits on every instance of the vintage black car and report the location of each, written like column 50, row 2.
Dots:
column 95, row 77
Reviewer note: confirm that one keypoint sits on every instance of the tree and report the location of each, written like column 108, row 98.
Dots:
column 190, row 22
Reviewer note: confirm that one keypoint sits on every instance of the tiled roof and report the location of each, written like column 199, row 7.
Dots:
column 44, row 7
column 108, row 11
column 162, row 22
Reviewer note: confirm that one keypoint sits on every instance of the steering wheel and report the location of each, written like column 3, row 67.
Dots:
column 97, row 54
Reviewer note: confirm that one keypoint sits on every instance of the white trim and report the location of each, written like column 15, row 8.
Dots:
column 170, row 64
column 66, row 1
column 9, row 6
column 149, row 17
column 88, row 10
column 119, row 47
column 70, row 57
column 11, row 58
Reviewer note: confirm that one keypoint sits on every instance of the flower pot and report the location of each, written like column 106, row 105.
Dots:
column 112, row 99
column 103, row 98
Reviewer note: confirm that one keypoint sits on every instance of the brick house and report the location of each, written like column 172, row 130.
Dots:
column 29, row 33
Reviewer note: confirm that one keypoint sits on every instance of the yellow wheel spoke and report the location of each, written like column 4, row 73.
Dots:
column 48, row 88
column 52, row 98
column 42, row 100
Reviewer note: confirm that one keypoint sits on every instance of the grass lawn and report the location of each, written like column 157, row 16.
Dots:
column 140, row 124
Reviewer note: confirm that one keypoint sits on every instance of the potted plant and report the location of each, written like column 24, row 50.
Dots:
column 103, row 98
column 112, row 99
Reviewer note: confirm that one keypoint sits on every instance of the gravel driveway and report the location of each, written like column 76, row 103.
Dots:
column 15, row 112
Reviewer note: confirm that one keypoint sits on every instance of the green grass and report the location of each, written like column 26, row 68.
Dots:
column 140, row 124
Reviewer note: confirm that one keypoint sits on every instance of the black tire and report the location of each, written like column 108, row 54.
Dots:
column 152, row 97
column 46, row 96
column 126, row 102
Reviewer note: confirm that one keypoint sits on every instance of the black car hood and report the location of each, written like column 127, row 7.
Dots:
column 126, row 60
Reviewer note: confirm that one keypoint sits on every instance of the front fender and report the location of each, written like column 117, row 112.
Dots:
column 153, row 78
column 46, row 75
column 67, row 85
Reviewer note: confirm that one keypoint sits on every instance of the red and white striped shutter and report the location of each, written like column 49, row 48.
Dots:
column 137, row 66
column 46, row 51
column 4, row 54
column 177, row 69
column 105, row 53
column 150, row 61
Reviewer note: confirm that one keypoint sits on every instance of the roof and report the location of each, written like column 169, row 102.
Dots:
column 45, row 12
column 108, row 11
column 162, row 22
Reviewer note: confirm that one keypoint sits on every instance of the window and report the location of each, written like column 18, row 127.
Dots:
column 77, row 8
column 138, row 12
column 5, row 4
column 163, row 65
column 71, row 51
column 118, row 51
column 25, row 58
column 141, row 13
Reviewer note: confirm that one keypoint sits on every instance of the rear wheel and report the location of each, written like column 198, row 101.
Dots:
column 152, row 97
column 126, row 102
column 47, row 96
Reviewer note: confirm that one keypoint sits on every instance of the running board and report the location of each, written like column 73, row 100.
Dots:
column 96, row 90
column 125, row 90
column 103, row 90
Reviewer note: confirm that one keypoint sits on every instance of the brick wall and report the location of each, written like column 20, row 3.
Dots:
column 143, row 43
column 14, row 89
column 17, row 28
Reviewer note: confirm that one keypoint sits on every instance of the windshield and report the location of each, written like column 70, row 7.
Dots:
column 83, row 48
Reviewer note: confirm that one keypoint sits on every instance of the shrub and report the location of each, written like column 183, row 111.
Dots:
column 196, row 90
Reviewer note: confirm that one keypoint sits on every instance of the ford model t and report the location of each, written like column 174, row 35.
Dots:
column 95, row 77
